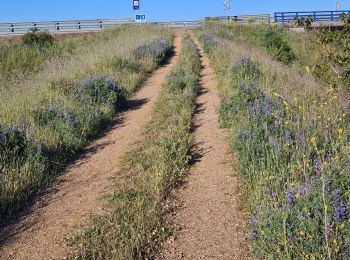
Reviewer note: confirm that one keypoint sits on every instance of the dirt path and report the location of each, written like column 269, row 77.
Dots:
column 41, row 233
column 209, row 220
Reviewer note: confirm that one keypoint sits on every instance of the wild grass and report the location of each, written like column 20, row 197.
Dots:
column 47, row 119
column 290, row 135
column 20, row 60
column 134, row 227
column 301, row 50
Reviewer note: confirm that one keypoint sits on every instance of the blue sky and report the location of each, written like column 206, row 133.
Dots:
column 156, row 10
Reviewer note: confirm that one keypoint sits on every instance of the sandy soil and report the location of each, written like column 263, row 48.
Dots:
column 41, row 232
column 209, row 222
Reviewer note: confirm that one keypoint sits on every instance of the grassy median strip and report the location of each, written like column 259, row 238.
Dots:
column 134, row 227
column 67, row 104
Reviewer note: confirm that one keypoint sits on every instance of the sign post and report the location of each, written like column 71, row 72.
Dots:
column 136, row 5
column 227, row 6
column 140, row 18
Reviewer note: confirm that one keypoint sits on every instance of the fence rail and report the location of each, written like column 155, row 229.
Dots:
column 256, row 19
column 98, row 24
column 60, row 26
column 316, row 16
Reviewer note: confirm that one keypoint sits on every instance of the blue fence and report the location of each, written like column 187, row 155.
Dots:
column 316, row 16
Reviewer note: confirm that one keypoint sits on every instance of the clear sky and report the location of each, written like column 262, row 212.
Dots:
column 156, row 10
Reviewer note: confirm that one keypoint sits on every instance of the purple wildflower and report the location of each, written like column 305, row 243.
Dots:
column 288, row 137
column 290, row 196
column 252, row 234
column 252, row 220
column 274, row 196
column 340, row 207
column 318, row 167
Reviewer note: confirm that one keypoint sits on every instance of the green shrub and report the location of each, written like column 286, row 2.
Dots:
column 38, row 38
column 101, row 91
column 273, row 40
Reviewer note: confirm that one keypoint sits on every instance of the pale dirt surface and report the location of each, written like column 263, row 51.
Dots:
column 208, row 223
column 42, row 232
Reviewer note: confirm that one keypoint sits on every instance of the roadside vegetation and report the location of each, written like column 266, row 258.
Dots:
column 47, row 119
column 134, row 227
column 28, row 55
column 290, row 133
column 323, row 54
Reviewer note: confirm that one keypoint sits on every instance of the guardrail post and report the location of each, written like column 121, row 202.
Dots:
column 332, row 18
column 57, row 26
column 282, row 17
column 315, row 17
column 12, row 28
column 100, row 22
column 79, row 26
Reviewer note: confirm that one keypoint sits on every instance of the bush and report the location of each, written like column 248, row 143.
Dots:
column 38, row 38
column 208, row 41
column 21, row 166
column 101, row 91
column 336, row 54
column 158, row 50
column 272, row 39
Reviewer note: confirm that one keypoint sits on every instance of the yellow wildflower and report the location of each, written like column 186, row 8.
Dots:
column 335, row 242
column 307, row 69
column 334, row 97
column 297, row 195
column 276, row 94
column 286, row 122
column 342, row 226
column 313, row 140
column 301, row 233
column 340, row 131
column 330, row 89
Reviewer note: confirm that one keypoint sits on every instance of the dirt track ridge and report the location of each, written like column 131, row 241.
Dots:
column 209, row 222
column 41, row 233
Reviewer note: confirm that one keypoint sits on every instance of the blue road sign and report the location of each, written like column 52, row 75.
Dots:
column 140, row 18
column 136, row 4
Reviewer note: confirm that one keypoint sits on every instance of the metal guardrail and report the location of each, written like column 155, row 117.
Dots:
column 316, row 16
column 244, row 19
column 179, row 24
column 60, row 26
column 98, row 24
